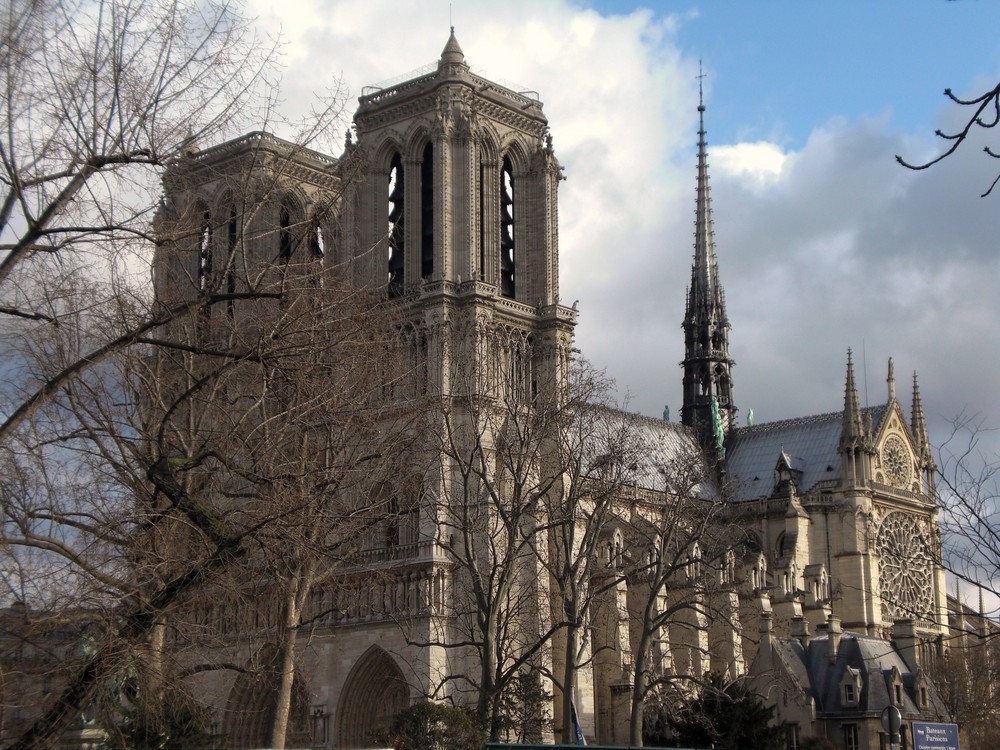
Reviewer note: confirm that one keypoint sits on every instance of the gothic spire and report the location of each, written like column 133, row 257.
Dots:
column 855, row 434
column 918, row 427
column 852, row 428
column 918, row 424
column 705, row 295
column 707, row 366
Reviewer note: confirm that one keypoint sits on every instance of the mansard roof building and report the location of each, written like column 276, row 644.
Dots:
column 446, row 202
column 837, row 685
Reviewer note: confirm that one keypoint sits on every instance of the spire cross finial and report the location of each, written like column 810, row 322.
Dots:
column 701, row 96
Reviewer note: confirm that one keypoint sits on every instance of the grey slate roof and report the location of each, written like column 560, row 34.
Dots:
column 810, row 442
column 874, row 658
column 792, row 655
column 660, row 447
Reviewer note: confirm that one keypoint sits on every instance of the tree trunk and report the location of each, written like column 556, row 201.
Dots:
column 286, row 673
column 488, row 708
column 638, row 691
column 569, row 684
column 155, row 675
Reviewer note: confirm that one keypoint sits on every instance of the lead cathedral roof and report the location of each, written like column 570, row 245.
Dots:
column 811, row 442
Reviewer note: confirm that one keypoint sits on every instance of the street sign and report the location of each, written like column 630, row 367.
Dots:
column 891, row 720
column 935, row 736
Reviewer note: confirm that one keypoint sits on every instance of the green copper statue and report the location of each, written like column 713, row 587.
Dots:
column 717, row 429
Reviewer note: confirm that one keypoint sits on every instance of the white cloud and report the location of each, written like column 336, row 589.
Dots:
column 830, row 246
column 760, row 163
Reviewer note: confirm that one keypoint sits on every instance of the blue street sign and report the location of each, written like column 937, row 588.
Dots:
column 935, row 736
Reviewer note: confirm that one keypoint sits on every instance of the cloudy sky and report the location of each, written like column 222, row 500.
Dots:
column 824, row 242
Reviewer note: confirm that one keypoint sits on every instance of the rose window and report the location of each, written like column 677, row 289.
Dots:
column 905, row 568
column 896, row 462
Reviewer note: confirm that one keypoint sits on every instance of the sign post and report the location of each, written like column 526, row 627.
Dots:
column 892, row 720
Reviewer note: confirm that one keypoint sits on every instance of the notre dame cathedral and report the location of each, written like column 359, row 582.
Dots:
column 451, row 208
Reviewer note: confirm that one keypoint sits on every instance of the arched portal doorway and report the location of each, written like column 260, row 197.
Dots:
column 250, row 708
column 373, row 693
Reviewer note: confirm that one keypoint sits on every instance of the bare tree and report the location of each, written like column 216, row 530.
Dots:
column 97, row 98
column 595, row 455
column 486, row 503
column 109, row 502
column 985, row 115
column 969, row 495
column 966, row 681
column 100, row 523
column 327, row 443
column 681, row 577
column 551, row 503
column 183, row 465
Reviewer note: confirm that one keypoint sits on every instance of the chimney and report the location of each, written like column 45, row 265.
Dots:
column 904, row 636
column 765, row 636
column 833, row 637
column 800, row 630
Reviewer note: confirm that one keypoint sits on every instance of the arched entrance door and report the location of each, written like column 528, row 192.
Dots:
column 374, row 692
column 250, row 708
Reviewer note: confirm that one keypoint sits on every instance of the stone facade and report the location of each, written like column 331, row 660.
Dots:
column 447, row 200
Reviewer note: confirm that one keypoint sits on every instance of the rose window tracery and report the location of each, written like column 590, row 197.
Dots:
column 905, row 568
column 896, row 462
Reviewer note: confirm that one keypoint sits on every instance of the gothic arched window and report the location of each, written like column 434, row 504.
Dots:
column 396, row 216
column 317, row 245
column 205, row 251
column 232, row 241
column 286, row 244
column 427, row 213
column 482, row 222
column 507, row 257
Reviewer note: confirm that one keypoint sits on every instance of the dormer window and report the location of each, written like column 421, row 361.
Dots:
column 898, row 694
column 850, row 687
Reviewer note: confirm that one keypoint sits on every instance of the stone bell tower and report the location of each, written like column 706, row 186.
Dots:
column 456, row 215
